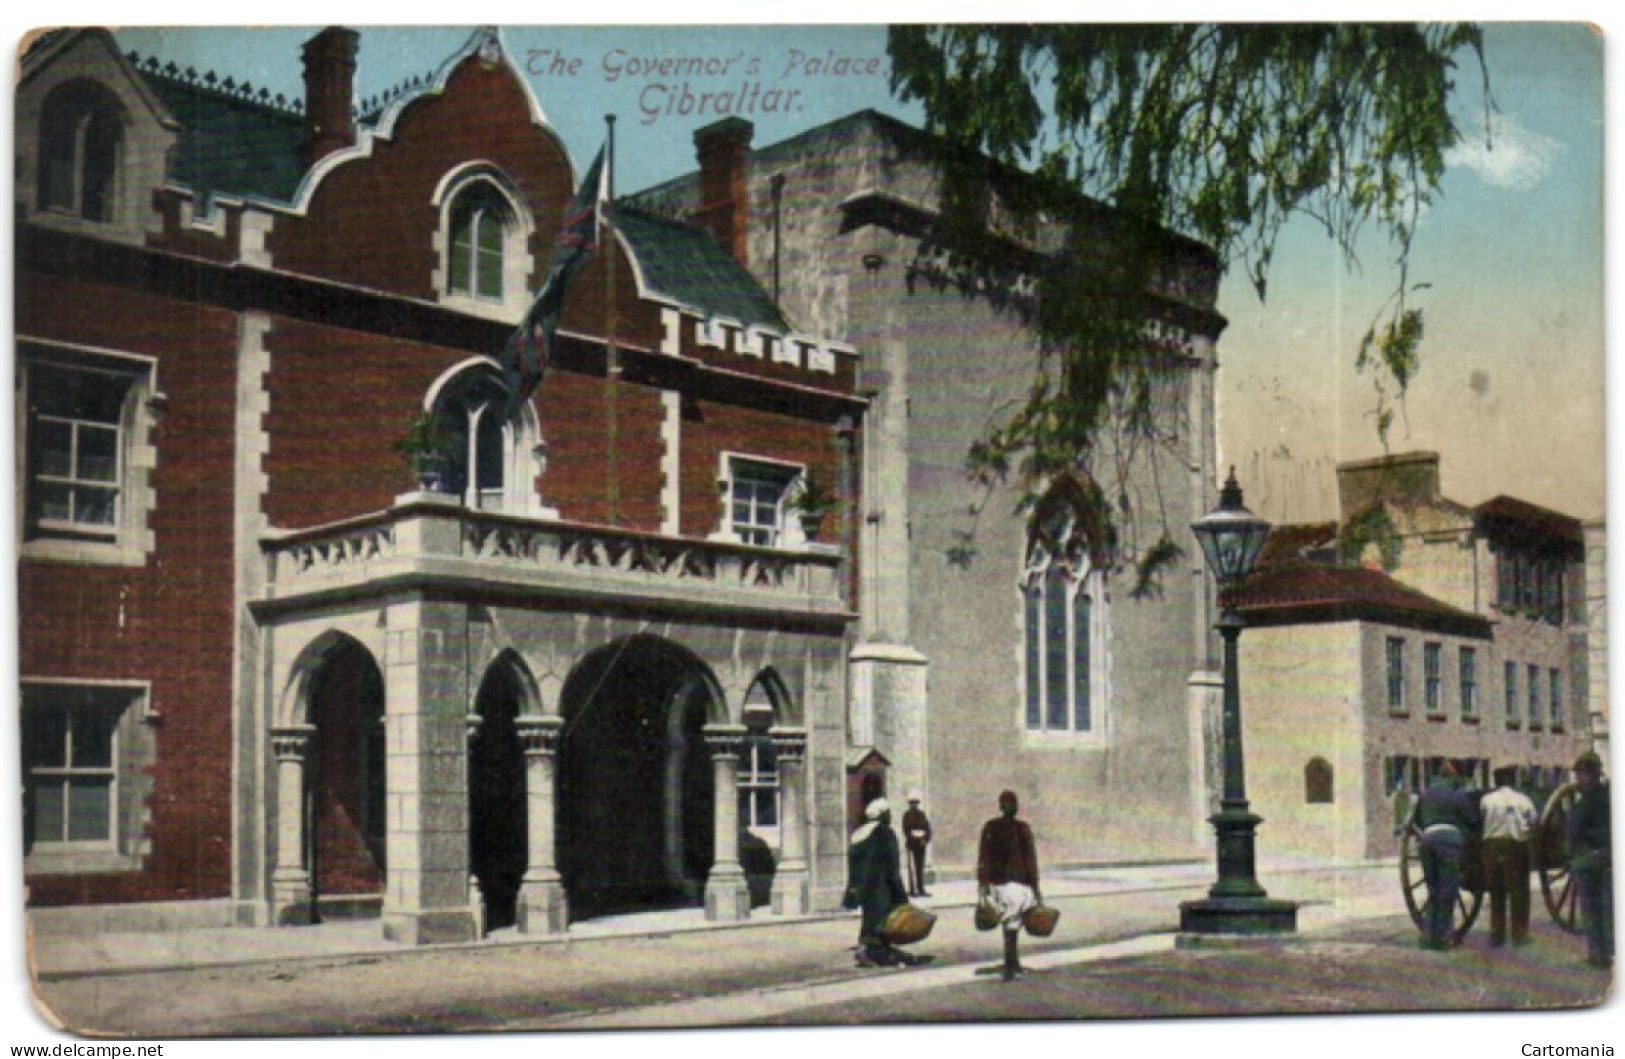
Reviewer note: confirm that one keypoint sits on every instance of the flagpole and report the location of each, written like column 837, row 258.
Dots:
column 612, row 361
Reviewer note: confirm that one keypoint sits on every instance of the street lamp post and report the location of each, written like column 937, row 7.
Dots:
column 1231, row 537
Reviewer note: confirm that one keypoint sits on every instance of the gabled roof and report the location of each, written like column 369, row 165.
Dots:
column 1295, row 592
column 685, row 264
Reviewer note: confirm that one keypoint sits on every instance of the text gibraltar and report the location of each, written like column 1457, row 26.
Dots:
column 659, row 99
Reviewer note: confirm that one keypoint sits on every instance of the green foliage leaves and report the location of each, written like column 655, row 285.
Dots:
column 1221, row 132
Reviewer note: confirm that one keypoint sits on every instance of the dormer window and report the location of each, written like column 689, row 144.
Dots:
column 81, row 138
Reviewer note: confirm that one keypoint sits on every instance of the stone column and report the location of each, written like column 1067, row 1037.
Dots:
column 727, row 897
column 543, row 908
column 476, row 896
column 290, row 882
column 425, row 694
column 790, row 878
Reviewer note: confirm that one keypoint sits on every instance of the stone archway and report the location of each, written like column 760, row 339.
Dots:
column 498, row 831
column 331, row 803
column 641, row 790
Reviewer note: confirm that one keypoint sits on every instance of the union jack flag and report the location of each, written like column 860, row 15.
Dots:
column 528, row 349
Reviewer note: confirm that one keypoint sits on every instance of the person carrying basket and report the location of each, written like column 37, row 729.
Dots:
column 1007, row 876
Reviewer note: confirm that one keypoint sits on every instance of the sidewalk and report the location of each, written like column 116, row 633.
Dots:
column 1331, row 894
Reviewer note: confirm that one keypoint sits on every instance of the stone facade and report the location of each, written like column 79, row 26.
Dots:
column 1359, row 665
column 844, row 221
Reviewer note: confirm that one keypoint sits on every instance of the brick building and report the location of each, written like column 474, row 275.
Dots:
column 266, row 675
column 1412, row 632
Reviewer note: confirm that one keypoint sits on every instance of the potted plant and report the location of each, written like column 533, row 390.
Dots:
column 810, row 501
column 426, row 446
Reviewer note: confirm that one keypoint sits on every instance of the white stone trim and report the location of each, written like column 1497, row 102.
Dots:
column 671, row 340
column 671, row 438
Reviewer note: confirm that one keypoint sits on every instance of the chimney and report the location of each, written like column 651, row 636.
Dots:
column 722, row 147
column 1407, row 476
column 329, row 86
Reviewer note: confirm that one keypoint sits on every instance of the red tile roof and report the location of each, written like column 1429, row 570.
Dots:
column 1295, row 592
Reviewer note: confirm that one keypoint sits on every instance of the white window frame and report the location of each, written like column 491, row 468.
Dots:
column 785, row 532
column 1078, row 577
column 128, row 540
column 123, row 847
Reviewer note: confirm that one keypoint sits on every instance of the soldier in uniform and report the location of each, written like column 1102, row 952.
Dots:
column 916, row 837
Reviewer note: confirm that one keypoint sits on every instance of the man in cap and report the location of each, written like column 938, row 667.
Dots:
column 1591, row 859
column 1509, row 825
column 875, row 885
column 916, row 836
column 1446, row 817
column 1007, row 875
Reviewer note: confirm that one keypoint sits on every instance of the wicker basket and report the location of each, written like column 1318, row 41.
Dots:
column 1040, row 920
column 987, row 917
column 907, row 924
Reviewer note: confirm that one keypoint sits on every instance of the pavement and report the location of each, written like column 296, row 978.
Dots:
column 1118, row 954
column 1330, row 895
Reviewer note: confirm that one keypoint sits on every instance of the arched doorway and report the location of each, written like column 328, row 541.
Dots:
column 498, row 837
column 636, row 785
column 344, row 785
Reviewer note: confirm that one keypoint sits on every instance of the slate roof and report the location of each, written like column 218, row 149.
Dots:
column 1295, row 592
column 230, row 145
column 686, row 264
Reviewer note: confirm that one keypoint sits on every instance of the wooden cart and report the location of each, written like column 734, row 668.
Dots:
column 1550, row 860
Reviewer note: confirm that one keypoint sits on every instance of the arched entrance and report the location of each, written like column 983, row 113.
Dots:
column 636, row 784
column 498, row 838
column 344, row 785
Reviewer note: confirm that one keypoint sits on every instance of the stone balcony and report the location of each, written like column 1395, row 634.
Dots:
column 426, row 542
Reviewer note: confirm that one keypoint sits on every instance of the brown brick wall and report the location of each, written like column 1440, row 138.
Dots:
column 168, row 621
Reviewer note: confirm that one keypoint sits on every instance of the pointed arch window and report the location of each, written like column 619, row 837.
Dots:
column 81, row 141
column 1064, row 610
column 480, row 221
column 493, row 461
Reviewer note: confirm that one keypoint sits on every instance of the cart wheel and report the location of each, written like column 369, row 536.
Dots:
column 1556, row 884
column 1414, row 885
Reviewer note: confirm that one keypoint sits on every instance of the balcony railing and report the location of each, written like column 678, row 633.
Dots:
column 424, row 541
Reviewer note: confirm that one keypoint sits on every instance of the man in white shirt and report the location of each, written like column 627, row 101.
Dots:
column 1510, row 824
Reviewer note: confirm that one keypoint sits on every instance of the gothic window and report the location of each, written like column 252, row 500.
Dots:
column 478, row 225
column 492, row 461
column 1063, row 601
column 81, row 138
